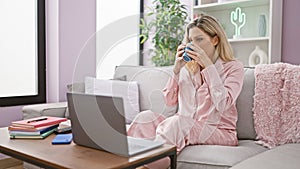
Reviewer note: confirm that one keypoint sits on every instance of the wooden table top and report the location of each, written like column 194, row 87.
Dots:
column 71, row 155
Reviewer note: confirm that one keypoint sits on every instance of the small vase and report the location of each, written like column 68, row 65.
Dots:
column 262, row 25
column 257, row 56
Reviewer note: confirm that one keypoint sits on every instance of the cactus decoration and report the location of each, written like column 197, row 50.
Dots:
column 238, row 19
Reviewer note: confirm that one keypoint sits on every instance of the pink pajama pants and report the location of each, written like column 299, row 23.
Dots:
column 175, row 130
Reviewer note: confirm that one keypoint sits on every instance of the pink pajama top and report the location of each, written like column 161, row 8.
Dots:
column 209, row 97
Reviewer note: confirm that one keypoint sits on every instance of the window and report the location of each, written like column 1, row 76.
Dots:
column 22, row 52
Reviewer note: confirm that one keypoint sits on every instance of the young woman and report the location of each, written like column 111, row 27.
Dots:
column 205, row 89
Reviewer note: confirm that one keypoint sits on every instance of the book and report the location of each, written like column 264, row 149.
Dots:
column 18, row 128
column 33, row 133
column 38, row 122
column 42, row 136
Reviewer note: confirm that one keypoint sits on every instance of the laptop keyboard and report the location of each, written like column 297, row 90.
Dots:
column 135, row 147
column 138, row 145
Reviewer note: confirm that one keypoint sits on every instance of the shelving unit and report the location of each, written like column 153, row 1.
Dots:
column 244, row 45
column 249, row 39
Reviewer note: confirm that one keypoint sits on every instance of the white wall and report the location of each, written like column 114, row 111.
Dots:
column 117, row 35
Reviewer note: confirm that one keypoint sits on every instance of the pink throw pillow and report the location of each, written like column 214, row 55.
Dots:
column 277, row 104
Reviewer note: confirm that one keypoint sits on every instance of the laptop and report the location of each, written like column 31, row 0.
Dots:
column 99, row 122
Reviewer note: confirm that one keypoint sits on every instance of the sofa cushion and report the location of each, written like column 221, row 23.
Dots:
column 244, row 104
column 126, row 90
column 47, row 109
column 214, row 156
column 76, row 87
column 285, row 156
column 151, row 82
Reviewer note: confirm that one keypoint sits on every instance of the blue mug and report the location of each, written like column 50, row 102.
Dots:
column 185, row 56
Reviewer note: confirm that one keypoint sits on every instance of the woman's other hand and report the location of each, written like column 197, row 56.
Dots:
column 179, row 62
column 199, row 55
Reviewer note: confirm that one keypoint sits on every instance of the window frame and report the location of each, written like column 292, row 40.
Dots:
column 41, row 65
column 141, row 46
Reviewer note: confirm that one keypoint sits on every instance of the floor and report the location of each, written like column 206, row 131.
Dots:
column 11, row 163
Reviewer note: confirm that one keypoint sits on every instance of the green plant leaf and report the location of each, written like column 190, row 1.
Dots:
column 167, row 29
column 144, row 38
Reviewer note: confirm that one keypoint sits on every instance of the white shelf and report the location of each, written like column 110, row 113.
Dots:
column 217, row 6
column 248, row 39
column 243, row 46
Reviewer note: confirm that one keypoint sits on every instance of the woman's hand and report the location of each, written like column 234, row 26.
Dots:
column 179, row 62
column 199, row 55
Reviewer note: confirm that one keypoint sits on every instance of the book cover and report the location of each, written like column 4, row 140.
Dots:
column 33, row 133
column 38, row 122
column 18, row 128
column 42, row 136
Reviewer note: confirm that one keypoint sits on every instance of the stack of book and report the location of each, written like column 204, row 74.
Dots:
column 35, row 128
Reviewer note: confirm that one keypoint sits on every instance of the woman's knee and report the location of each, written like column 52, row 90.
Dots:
column 147, row 116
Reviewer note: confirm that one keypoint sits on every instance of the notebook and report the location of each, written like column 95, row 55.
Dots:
column 38, row 122
column 99, row 122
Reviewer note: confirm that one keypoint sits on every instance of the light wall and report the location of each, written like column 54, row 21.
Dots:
column 77, row 24
column 291, row 33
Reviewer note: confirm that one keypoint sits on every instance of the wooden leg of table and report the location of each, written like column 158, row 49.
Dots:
column 173, row 161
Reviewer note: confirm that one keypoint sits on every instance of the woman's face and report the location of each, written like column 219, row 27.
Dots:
column 202, row 40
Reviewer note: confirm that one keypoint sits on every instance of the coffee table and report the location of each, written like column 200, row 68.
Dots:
column 44, row 154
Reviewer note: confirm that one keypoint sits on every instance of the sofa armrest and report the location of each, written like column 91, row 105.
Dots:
column 47, row 109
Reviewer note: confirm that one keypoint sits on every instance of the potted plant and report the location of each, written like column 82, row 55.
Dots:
column 167, row 28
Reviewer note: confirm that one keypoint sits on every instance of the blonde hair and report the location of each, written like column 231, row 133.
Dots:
column 212, row 27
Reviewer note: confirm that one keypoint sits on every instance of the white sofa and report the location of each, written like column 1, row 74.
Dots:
column 247, row 155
